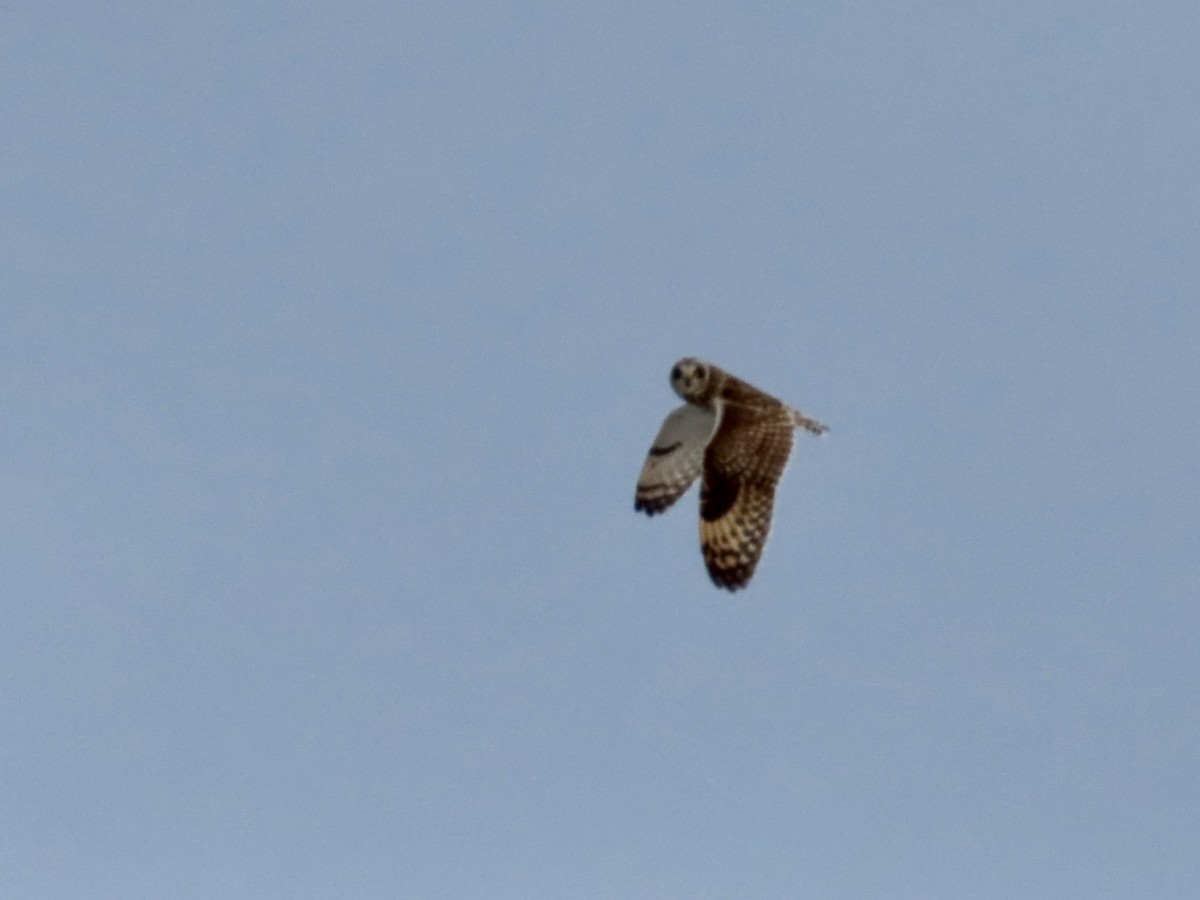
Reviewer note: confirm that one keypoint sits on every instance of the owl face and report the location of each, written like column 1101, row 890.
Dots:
column 689, row 378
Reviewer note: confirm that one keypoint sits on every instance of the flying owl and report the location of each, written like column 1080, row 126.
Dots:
column 739, row 438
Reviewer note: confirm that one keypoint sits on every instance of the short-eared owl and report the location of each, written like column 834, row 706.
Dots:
column 740, row 439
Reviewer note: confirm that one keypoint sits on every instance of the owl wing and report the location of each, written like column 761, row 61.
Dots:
column 742, row 466
column 675, row 458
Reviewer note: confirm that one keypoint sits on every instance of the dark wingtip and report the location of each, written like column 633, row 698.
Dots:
column 730, row 578
column 732, row 586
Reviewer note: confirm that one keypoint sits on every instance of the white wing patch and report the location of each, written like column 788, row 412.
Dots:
column 676, row 458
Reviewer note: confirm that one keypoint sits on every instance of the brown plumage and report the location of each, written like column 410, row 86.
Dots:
column 740, row 439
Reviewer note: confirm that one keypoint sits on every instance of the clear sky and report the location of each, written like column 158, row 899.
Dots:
column 332, row 339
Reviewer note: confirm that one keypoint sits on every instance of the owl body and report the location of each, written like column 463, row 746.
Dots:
column 739, row 438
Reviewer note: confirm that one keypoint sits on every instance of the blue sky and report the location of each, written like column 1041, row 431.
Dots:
column 333, row 337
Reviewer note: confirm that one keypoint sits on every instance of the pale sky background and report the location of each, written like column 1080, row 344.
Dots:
column 332, row 338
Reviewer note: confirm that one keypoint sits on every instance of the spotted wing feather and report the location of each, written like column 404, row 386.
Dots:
column 676, row 458
column 742, row 467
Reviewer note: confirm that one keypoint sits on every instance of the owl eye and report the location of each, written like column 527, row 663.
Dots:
column 676, row 373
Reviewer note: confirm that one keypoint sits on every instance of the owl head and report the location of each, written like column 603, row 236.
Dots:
column 690, row 377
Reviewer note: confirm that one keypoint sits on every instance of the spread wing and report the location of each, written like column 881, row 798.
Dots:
column 742, row 466
column 675, row 458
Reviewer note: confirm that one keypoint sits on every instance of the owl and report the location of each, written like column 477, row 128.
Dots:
column 739, row 438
